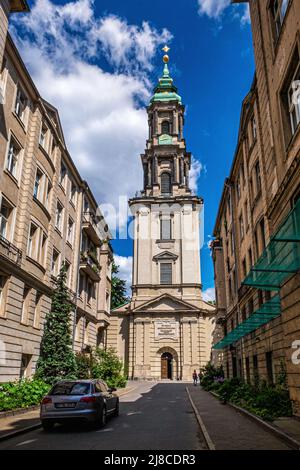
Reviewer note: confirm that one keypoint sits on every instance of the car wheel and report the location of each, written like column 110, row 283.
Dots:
column 117, row 409
column 47, row 425
column 103, row 417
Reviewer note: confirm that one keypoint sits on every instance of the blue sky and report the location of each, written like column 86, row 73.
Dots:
column 98, row 61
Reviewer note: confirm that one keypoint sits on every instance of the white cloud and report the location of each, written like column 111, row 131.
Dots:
column 128, row 46
column 196, row 169
column 125, row 269
column 209, row 294
column 102, row 113
column 245, row 19
column 215, row 8
column 212, row 8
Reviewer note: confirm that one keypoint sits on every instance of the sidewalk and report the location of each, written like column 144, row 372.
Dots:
column 20, row 421
column 229, row 429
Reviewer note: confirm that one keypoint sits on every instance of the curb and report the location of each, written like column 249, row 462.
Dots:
column 207, row 438
column 123, row 392
column 274, row 430
column 19, row 432
column 18, row 411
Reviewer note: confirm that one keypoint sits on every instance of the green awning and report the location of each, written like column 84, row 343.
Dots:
column 267, row 312
column 281, row 258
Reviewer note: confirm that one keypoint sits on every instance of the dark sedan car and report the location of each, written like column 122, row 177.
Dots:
column 84, row 400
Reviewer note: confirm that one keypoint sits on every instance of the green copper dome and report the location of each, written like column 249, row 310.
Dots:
column 165, row 90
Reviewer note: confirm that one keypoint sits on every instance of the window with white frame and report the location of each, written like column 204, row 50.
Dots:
column 48, row 193
column 81, row 284
column 294, row 100
column 13, row 157
column 3, row 74
column 166, row 273
column 55, row 262
column 89, row 291
column 68, row 273
column 165, row 228
column 25, row 365
column 43, row 136
column 73, row 193
column 20, row 104
column 63, row 175
column 257, row 177
column 25, row 305
column 59, row 216
column 242, row 231
column 70, row 233
column 38, row 184
column 278, row 10
column 6, row 211
column 37, row 309
column 43, row 248
column 33, row 241
column 165, row 183
column 3, row 284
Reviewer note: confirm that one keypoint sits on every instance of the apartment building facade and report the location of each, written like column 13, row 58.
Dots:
column 257, row 232
column 48, row 216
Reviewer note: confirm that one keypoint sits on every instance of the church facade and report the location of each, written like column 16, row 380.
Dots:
column 165, row 331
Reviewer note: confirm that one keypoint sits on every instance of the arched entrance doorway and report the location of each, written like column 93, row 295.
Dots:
column 167, row 366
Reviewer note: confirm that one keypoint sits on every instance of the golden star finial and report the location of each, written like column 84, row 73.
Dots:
column 165, row 49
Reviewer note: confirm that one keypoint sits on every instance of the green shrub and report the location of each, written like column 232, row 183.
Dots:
column 101, row 364
column 21, row 394
column 211, row 377
column 109, row 368
column 267, row 402
column 83, row 362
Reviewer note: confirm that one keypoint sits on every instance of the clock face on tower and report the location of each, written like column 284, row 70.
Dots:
column 165, row 139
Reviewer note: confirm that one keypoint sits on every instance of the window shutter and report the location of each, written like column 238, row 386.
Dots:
column 165, row 127
column 166, row 273
column 165, row 183
column 165, row 232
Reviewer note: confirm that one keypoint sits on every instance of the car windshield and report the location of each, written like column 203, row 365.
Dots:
column 71, row 388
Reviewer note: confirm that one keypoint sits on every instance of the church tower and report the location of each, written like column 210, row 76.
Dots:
column 166, row 213
column 165, row 331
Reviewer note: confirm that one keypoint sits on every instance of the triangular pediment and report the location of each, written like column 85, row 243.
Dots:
column 166, row 303
column 165, row 255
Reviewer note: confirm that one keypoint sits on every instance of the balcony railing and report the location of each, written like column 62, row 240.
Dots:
column 10, row 251
column 90, row 225
column 90, row 265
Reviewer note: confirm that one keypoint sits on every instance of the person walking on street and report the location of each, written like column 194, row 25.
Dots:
column 199, row 377
column 195, row 377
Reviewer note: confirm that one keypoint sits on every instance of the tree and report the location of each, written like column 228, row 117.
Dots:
column 57, row 360
column 118, row 288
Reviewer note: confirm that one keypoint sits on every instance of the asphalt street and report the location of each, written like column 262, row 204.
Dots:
column 154, row 416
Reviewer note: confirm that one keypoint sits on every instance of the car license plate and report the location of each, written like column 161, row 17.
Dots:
column 65, row 405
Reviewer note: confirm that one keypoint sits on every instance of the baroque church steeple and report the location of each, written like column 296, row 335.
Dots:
column 166, row 163
column 166, row 324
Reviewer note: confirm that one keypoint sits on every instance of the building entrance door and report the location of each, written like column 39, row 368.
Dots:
column 167, row 366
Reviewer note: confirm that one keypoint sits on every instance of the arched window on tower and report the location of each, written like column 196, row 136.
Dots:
column 165, row 127
column 165, row 183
